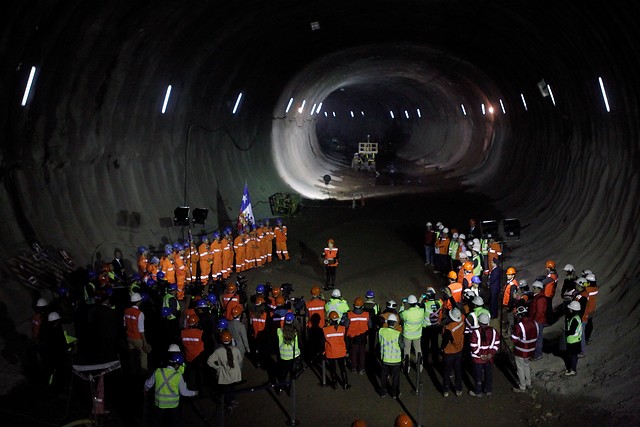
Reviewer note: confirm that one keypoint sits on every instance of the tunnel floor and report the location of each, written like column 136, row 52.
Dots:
column 381, row 249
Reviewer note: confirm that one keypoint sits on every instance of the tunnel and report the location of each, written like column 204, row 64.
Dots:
column 135, row 108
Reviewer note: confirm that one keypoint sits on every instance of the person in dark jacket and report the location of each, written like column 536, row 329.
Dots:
column 495, row 284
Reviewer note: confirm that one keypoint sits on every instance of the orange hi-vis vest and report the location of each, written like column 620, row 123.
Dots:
column 508, row 289
column 331, row 254
column 334, row 345
column 468, row 278
column 142, row 264
column 192, row 343
column 229, row 301
column 258, row 323
column 550, row 288
column 456, row 293
column 131, row 316
column 358, row 323
column 457, row 332
column 316, row 307
column 166, row 265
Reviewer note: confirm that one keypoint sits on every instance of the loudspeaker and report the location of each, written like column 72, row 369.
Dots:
column 200, row 215
column 489, row 229
column 181, row 216
column 511, row 227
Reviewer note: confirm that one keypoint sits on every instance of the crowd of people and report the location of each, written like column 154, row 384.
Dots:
column 182, row 327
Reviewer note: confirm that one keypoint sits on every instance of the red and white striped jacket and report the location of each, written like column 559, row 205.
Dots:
column 484, row 342
column 524, row 337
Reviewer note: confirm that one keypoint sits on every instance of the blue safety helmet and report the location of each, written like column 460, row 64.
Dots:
column 142, row 249
column 155, row 260
column 222, row 324
column 289, row 317
column 260, row 289
column 227, row 230
column 160, row 275
column 176, row 358
column 151, row 283
column 475, row 279
column 212, row 299
column 135, row 277
column 165, row 312
column 216, row 235
column 168, row 251
column 369, row 294
column 177, row 246
column 202, row 303
column 172, row 287
column 92, row 274
column 62, row 291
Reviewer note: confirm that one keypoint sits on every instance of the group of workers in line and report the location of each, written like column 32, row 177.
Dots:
column 201, row 337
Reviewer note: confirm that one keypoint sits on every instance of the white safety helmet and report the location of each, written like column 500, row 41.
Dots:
column 523, row 283
column 392, row 318
column 455, row 235
column 429, row 224
column 521, row 310
column 41, row 302
column 173, row 348
column 484, row 318
column 581, row 281
column 478, row 301
column 585, row 272
column 476, row 241
column 439, row 225
column 476, row 247
column 53, row 316
column 537, row 284
column 463, row 255
column 462, row 236
column 135, row 297
column 568, row 268
column 411, row 299
column 590, row 277
column 445, row 230
column 336, row 293
column 455, row 315
column 574, row 306
column 469, row 254
column 391, row 304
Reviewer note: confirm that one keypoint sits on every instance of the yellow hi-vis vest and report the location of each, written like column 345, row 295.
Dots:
column 577, row 335
column 288, row 351
column 167, row 388
column 412, row 318
column 390, row 351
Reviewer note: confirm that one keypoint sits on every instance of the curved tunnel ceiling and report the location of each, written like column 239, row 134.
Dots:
column 92, row 151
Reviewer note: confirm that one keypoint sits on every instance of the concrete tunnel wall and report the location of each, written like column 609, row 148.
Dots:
column 91, row 164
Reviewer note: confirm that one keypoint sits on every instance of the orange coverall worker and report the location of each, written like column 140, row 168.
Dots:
column 281, row 241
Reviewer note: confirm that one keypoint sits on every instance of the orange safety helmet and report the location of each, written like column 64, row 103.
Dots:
column 226, row 337
column 467, row 266
column 331, row 241
column 334, row 316
column 275, row 292
column 511, row 270
column 231, row 287
column 315, row 291
column 403, row 420
column 550, row 264
column 358, row 302
column 259, row 300
column 452, row 275
column 359, row 423
column 236, row 311
column 279, row 300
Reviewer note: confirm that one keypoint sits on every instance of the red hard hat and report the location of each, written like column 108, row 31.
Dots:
column 315, row 291
column 236, row 311
column 550, row 264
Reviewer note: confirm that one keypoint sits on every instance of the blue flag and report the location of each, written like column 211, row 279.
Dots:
column 246, row 212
